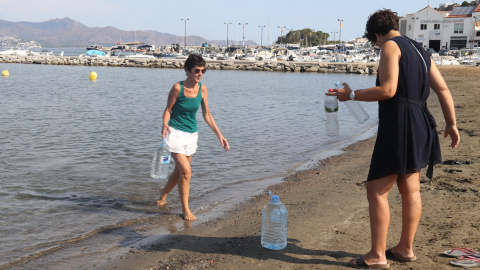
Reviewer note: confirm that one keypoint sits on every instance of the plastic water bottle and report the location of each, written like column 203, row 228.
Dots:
column 161, row 162
column 355, row 108
column 274, row 224
column 331, row 111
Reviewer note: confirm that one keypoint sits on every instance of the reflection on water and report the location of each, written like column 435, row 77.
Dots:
column 76, row 154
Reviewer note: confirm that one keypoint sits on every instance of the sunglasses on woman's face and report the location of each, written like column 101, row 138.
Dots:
column 196, row 71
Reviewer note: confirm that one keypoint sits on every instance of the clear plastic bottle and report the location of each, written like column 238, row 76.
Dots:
column 331, row 112
column 355, row 108
column 274, row 224
column 161, row 162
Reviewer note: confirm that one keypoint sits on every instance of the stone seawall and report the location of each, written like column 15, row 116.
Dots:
column 281, row 66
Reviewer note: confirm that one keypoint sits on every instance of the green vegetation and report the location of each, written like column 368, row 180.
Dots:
column 305, row 37
column 466, row 3
column 450, row 7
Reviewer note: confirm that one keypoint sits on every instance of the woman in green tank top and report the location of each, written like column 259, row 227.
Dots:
column 180, row 129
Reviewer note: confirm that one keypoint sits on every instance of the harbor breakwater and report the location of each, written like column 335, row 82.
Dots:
column 280, row 66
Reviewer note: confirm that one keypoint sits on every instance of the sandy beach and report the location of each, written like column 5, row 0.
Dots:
column 328, row 216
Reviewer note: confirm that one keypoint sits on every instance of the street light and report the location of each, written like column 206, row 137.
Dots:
column 281, row 33
column 243, row 41
column 340, row 36
column 185, row 40
column 261, row 35
column 311, row 38
column 334, row 39
column 227, row 32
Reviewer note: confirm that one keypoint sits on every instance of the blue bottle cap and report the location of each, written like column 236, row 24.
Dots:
column 275, row 198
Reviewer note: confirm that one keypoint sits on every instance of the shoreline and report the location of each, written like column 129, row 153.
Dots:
column 270, row 66
column 328, row 216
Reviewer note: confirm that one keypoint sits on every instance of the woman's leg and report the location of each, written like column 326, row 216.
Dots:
column 171, row 183
column 377, row 194
column 184, row 175
column 409, row 188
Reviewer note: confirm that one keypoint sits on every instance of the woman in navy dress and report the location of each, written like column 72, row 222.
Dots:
column 407, row 139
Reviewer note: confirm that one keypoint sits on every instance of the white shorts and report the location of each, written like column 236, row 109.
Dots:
column 181, row 142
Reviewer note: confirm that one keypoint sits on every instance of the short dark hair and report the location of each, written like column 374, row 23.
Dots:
column 381, row 22
column 194, row 60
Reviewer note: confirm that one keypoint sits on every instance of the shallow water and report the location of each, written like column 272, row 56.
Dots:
column 76, row 155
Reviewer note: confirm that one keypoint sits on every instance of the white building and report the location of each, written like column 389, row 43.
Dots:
column 443, row 29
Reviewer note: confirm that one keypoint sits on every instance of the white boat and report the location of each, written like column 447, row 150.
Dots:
column 469, row 56
column 470, row 60
column 264, row 55
column 140, row 55
column 14, row 51
column 444, row 60
column 250, row 55
column 41, row 53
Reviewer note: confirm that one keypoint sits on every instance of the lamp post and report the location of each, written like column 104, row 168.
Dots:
column 340, row 36
column 281, row 33
column 185, row 39
column 261, row 35
column 243, row 40
column 227, row 32
column 334, row 39
column 311, row 37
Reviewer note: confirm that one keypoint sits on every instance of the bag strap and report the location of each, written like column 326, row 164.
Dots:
column 421, row 56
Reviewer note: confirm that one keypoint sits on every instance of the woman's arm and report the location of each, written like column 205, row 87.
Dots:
column 388, row 74
column 172, row 98
column 437, row 83
column 209, row 119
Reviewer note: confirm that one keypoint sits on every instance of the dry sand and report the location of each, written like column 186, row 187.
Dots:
column 328, row 216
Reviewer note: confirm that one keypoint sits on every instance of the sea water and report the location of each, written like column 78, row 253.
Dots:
column 75, row 154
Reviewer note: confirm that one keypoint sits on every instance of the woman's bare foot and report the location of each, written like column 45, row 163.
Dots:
column 162, row 201
column 187, row 215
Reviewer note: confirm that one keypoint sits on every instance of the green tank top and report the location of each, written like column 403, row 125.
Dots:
column 184, row 112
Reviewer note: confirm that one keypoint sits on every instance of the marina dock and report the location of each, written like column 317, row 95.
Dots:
column 279, row 66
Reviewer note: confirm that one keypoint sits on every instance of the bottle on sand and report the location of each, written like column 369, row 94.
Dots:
column 274, row 224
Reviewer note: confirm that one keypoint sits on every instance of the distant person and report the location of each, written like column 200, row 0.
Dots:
column 180, row 129
column 407, row 139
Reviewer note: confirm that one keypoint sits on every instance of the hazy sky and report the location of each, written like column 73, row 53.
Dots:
column 207, row 18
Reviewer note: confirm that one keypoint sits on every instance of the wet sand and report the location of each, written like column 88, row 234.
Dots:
column 328, row 215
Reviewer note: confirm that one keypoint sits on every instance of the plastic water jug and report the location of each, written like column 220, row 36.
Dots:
column 161, row 162
column 331, row 112
column 355, row 108
column 274, row 224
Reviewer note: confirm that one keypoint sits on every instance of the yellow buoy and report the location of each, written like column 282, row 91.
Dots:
column 93, row 76
column 5, row 73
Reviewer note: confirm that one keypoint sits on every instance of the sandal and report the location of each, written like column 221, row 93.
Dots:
column 360, row 263
column 396, row 256
column 460, row 252
column 466, row 261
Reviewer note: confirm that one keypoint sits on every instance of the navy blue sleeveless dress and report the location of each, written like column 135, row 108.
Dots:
column 407, row 138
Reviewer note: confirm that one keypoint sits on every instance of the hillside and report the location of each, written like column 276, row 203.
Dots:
column 69, row 33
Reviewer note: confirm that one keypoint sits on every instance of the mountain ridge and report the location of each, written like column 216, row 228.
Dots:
column 67, row 32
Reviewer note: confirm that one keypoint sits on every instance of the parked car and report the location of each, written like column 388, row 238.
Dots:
column 443, row 52
column 430, row 51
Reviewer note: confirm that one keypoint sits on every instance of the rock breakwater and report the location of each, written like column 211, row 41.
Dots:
column 280, row 66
